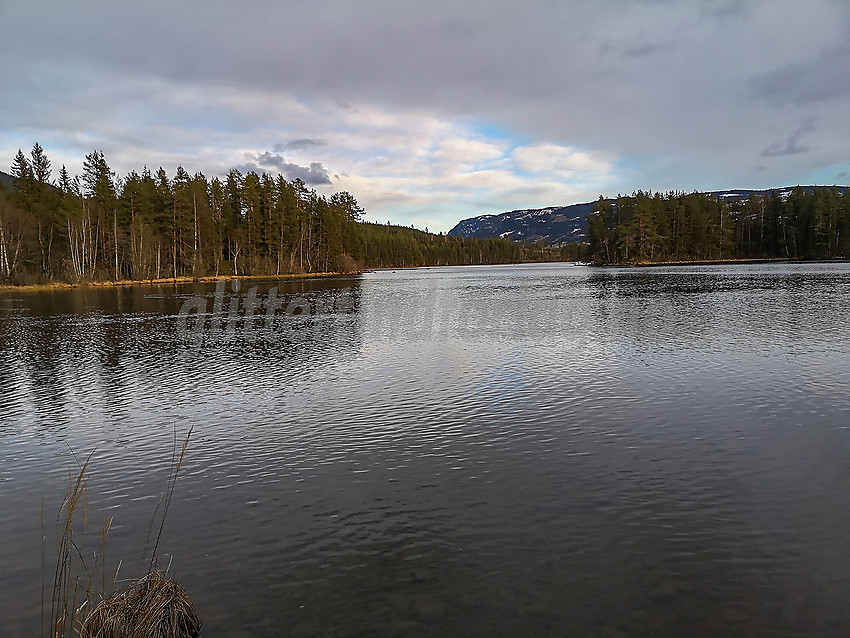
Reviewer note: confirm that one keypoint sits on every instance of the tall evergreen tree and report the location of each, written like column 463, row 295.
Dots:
column 23, row 179
column 40, row 164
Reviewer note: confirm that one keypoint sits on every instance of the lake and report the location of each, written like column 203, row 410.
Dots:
column 528, row 450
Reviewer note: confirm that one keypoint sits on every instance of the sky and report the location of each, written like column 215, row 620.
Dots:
column 432, row 112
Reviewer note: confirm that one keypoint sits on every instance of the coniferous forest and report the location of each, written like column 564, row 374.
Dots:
column 149, row 225
column 97, row 226
column 811, row 223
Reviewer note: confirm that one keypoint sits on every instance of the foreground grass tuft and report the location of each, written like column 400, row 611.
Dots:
column 151, row 607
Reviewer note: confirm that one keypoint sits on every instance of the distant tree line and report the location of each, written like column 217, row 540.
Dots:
column 149, row 225
column 646, row 227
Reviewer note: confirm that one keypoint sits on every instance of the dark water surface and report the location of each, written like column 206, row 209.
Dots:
column 499, row 451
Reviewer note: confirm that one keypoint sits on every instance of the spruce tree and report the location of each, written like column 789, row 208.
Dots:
column 40, row 164
column 22, row 174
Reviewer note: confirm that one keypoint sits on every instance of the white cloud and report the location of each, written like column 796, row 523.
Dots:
column 468, row 151
column 551, row 159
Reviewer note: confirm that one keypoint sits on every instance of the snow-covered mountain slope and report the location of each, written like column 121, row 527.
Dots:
column 566, row 224
column 559, row 224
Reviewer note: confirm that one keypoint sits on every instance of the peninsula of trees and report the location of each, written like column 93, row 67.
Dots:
column 807, row 223
column 149, row 225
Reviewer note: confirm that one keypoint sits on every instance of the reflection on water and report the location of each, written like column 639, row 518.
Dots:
column 523, row 450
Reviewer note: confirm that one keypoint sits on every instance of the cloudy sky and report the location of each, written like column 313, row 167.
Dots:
column 430, row 112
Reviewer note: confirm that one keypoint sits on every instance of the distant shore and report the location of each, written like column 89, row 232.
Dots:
column 166, row 281
column 729, row 262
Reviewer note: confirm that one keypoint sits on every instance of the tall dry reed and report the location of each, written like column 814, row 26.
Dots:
column 151, row 606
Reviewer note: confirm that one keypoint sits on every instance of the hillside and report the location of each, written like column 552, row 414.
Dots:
column 554, row 225
column 6, row 180
column 568, row 224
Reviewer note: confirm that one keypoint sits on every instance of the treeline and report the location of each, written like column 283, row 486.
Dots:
column 646, row 227
column 97, row 226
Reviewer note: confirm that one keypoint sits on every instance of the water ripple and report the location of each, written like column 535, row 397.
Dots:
column 520, row 450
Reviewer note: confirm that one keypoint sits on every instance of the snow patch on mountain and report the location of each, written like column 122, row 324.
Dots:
column 567, row 224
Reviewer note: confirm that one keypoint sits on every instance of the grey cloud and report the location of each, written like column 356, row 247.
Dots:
column 531, row 69
column 300, row 144
column 721, row 9
column 313, row 175
column 638, row 48
column 820, row 79
column 269, row 160
column 493, row 59
column 644, row 49
column 248, row 167
column 791, row 145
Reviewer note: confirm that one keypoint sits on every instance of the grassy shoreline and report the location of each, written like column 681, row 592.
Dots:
column 179, row 281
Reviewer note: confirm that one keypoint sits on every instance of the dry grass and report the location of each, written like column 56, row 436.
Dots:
column 72, row 580
column 60, row 285
column 151, row 607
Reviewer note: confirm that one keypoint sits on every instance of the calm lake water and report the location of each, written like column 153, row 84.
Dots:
column 530, row 450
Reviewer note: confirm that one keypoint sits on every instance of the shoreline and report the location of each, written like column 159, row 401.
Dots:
column 721, row 262
column 179, row 281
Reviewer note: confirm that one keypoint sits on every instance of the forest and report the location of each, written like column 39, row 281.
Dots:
column 98, row 226
column 148, row 225
column 807, row 223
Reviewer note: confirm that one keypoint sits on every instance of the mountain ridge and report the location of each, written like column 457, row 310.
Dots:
column 568, row 224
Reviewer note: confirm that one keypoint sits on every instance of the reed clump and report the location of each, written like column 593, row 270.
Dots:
column 151, row 607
